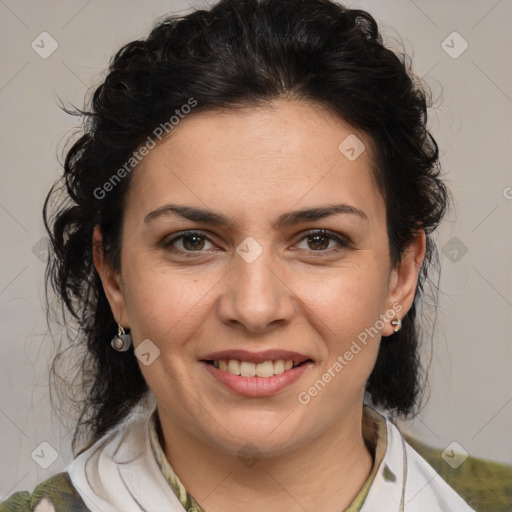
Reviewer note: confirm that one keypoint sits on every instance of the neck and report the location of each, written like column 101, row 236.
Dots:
column 325, row 474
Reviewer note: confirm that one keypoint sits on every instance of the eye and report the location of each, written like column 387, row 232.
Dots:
column 190, row 241
column 319, row 240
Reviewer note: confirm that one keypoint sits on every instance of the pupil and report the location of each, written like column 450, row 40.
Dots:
column 196, row 244
column 321, row 237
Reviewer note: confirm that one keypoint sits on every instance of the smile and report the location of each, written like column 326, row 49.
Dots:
column 256, row 379
column 265, row 369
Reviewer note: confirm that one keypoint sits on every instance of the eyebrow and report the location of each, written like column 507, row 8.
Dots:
column 287, row 219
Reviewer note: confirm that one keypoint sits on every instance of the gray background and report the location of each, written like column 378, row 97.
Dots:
column 470, row 391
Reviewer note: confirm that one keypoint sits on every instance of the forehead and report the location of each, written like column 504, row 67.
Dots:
column 262, row 159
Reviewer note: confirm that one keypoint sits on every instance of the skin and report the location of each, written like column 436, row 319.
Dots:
column 308, row 295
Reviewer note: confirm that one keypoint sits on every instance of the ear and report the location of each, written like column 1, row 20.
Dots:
column 110, row 279
column 404, row 279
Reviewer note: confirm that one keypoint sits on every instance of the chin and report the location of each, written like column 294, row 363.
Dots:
column 268, row 434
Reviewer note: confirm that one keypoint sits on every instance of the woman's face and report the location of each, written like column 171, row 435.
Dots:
column 256, row 281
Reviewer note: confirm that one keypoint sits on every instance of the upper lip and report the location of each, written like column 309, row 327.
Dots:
column 257, row 357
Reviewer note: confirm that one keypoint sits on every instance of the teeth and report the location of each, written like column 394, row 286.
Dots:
column 265, row 369
column 233, row 366
column 247, row 369
column 279, row 366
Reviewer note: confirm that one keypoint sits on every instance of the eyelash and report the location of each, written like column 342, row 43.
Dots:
column 343, row 242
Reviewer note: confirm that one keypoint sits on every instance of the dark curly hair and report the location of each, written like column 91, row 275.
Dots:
column 240, row 53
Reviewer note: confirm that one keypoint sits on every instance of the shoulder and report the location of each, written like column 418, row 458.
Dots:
column 483, row 484
column 57, row 494
column 405, row 481
column 425, row 486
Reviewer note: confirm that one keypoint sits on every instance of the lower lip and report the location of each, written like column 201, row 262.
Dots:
column 257, row 386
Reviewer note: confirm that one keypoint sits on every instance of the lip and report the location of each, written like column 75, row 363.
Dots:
column 257, row 386
column 257, row 357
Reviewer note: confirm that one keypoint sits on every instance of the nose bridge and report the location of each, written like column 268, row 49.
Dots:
column 257, row 295
column 256, row 275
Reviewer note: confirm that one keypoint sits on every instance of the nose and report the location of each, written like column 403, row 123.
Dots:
column 257, row 296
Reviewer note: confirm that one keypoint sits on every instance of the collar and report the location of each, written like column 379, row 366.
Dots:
column 120, row 472
column 374, row 434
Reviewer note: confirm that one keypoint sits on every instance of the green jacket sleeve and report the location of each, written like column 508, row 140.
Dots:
column 57, row 490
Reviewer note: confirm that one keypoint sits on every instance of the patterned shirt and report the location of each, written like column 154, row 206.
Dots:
column 483, row 484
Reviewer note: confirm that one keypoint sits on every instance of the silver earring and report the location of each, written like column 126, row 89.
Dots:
column 396, row 323
column 122, row 341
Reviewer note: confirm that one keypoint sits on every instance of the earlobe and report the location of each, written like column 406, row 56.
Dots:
column 405, row 280
column 110, row 279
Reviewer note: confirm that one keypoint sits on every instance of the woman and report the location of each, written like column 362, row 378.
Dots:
column 244, row 238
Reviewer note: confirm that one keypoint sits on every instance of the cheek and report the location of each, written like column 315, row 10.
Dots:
column 344, row 307
column 162, row 304
column 167, row 304
column 348, row 296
